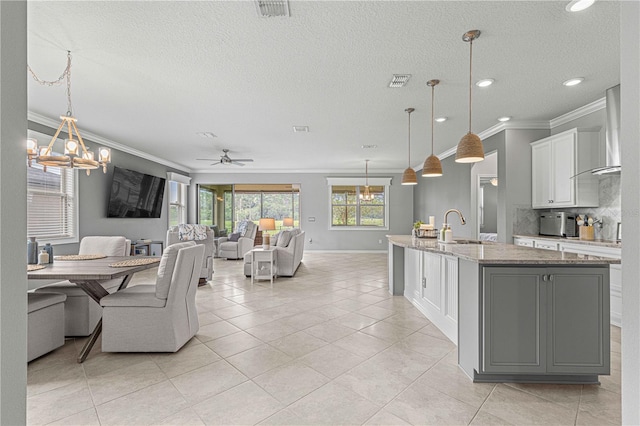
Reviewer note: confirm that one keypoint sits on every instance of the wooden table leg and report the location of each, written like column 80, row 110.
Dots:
column 95, row 290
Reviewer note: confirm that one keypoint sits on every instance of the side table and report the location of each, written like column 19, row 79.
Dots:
column 263, row 264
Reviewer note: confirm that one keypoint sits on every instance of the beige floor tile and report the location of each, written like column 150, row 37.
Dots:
column 449, row 379
column 433, row 331
column 409, row 321
column 426, row 345
column 333, row 404
column 258, row 360
column 188, row 358
column 233, row 343
column 600, row 403
column 62, row 356
column 55, row 376
column 422, row 405
column 206, row 318
column 272, row 330
column 124, row 381
column 245, row 404
column 186, row 417
column 368, row 298
column 331, row 360
column 329, row 331
column 518, row 407
column 207, row 381
column 247, row 321
column 355, row 320
column 566, row 395
column 216, row 330
column 350, row 305
column 303, row 320
column 386, row 331
column 362, row 344
column 483, row 418
column 587, row 418
column 145, row 406
column 385, row 418
column 290, row 382
column 106, row 362
column 375, row 384
column 284, row 417
column 612, row 382
column 328, row 312
column 233, row 311
column 298, row 344
column 216, row 304
column 85, row 418
column 401, row 361
column 375, row 312
column 58, row 403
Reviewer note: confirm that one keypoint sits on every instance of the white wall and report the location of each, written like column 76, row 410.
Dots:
column 13, row 212
column 630, row 138
column 314, row 203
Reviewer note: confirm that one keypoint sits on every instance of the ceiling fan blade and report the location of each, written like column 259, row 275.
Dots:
column 235, row 163
column 207, row 159
column 246, row 160
column 216, row 163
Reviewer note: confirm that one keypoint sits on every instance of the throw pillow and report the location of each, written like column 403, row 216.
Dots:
column 214, row 228
column 274, row 239
column 284, row 238
column 234, row 237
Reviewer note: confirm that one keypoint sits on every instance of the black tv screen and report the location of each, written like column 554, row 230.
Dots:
column 135, row 195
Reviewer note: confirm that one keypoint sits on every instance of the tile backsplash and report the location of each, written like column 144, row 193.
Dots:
column 526, row 220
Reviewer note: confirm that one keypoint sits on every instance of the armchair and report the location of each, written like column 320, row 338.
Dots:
column 206, row 271
column 229, row 249
column 160, row 317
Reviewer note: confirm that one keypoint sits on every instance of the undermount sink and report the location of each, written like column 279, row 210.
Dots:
column 469, row 242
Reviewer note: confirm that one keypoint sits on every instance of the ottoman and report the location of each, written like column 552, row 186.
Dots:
column 45, row 323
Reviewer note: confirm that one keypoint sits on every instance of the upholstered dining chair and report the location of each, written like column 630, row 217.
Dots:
column 160, row 317
column 81, row 313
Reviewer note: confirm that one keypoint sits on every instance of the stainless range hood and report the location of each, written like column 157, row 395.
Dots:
column 612, row 142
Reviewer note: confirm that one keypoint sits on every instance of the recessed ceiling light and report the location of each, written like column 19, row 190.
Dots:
column 300, row 129
column 578, row 5
column 271, row 8
column 485, row 83
column 441, row 119
column 206, row 135
column 505, row 118
column 399, row 80
column 573, row 81
column 371, row 146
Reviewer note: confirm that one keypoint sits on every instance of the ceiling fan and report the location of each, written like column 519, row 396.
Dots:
column 225, row 159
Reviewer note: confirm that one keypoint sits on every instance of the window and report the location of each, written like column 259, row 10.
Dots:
column 52, row 205
column 350, row 211
column 279, row 201
column 177, row 198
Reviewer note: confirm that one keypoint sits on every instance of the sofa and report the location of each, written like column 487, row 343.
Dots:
column 244, row 236
column 289, row 247
column 206, row 272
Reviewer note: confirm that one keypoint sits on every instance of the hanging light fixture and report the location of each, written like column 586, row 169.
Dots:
column 432, row 166
column 76, row 154
column 366, row 196
column 470, row 149
column 409, row 175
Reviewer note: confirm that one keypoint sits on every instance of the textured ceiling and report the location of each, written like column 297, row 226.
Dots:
column 150, row 75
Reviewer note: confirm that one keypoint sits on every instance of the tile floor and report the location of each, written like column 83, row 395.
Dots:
column 329, row 346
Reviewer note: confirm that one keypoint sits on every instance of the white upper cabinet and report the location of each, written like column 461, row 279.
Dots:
column 558, row 163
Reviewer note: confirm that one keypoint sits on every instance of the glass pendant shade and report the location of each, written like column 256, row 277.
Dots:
column 432, row 167
column 409, row 177
column 470, row 149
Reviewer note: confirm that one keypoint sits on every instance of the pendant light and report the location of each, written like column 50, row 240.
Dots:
column 366, row 196
column 409, row 176
column 432, row 166
column 470, row 149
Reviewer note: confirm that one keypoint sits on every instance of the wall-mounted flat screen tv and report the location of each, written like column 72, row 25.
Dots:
column 135, row 195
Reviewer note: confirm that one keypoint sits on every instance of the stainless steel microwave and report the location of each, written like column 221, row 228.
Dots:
column 559, row 224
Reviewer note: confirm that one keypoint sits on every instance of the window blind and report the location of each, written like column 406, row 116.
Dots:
column 51, row 203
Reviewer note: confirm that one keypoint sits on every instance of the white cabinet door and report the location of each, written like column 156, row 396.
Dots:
column 541, row 175
column 431, row 281
column 563, row 168
column 412, row 274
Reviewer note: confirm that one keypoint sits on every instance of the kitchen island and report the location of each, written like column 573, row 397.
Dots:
column 517, row 314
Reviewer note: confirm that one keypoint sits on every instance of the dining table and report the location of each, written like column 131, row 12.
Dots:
column 88, row 275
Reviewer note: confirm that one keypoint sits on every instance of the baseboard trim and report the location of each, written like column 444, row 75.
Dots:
column 345, row 251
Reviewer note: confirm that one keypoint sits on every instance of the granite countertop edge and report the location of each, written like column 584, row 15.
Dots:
column 573, row 240
column 490, row 253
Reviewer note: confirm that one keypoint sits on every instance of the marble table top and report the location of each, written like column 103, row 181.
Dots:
column 498, row 253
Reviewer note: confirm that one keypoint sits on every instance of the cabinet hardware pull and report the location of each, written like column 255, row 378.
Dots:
column 424, row 282
column 544, row 277
column 550, row 277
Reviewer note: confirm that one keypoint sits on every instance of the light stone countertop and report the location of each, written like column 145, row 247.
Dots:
column 499, row 253
column 573, row 240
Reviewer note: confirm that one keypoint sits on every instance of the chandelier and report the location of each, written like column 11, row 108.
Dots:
column 76, row 155
column 366, row 195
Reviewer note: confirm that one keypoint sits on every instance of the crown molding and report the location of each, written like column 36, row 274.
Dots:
column 293, row 171
column 579, row 112
column 46, row 121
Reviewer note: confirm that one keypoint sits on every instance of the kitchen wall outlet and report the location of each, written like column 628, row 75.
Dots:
column 311, row 219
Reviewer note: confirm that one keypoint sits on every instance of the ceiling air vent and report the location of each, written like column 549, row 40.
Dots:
column 271, row 8
column 300, row 129
column 399, row 80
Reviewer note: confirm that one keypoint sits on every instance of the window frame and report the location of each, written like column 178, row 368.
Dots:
column 182, row 182
column 385, row 182
column 74, row 236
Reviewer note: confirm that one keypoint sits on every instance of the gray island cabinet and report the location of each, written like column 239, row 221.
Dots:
column 517, row 314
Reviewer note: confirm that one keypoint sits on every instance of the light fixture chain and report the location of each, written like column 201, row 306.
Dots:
column 470, row 79
column 409, row 138
column 66, row 74
column 69, row 106
column 432, row 95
